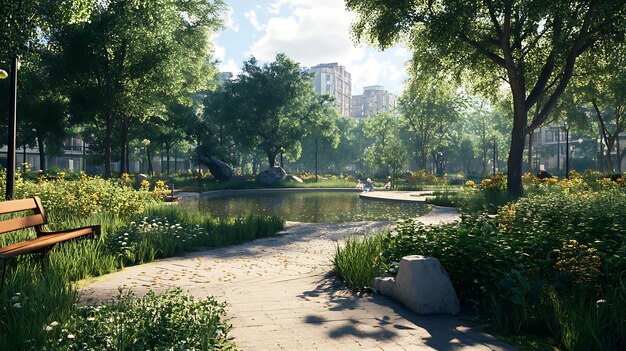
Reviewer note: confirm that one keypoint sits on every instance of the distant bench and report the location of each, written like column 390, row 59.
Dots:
column 44, row 241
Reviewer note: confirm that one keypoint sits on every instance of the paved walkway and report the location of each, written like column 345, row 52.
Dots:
column 282, row 298
column 400, row 196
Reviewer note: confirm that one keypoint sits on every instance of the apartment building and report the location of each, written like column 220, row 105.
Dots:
column 333, row 79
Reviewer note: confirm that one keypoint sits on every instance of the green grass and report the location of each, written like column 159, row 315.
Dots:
column 248, row 183
column 358, row 261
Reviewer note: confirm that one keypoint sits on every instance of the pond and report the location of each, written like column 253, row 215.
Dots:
column 311, row 206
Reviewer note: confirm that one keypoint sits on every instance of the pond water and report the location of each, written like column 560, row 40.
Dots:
column 312, row 206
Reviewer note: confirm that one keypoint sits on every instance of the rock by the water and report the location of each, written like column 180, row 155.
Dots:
column 271, row 175
column 293, row 178
column 423, row 286
column 218, row 168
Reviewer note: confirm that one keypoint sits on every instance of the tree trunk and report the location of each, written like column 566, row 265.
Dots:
column 168, row 148
column 271, row 158
column 607, row 155
column 149, row 156
column 619, row 155
column 123, row 137
column 175, row 160
column 530, row 151
column 516, row 153
column 162, row 161
column 107, row 146
column 42, row 153
column 24, row 159
column 127, row 157
column 316, row 152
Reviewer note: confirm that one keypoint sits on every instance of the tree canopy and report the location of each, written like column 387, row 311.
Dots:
column 531, row 45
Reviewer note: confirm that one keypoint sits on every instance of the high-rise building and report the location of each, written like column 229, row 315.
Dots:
column 374, row 99
column 333, row 79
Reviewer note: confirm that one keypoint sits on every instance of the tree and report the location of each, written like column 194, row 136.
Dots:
column 430, row 108
column 532, row 46
column 132, row 58
column 603, row 87
column 385, row 151
column 323, row 126
column 275, row 102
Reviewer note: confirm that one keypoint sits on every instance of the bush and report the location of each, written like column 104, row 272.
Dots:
column 169, row 321
column 547, row 264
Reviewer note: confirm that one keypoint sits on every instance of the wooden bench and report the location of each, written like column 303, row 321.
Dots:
column 44, row 241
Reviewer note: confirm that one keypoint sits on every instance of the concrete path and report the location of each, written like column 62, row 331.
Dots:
column 399, row 196
column 282, row 297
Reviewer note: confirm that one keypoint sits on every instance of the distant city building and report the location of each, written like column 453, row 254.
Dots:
column 374, row 99
column 333, row 79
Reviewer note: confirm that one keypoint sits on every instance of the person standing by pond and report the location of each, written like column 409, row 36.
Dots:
column 368, row 186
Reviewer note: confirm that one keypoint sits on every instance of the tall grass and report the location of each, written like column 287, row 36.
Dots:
column 359, row 261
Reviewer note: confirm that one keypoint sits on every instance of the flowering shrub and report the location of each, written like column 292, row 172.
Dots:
column 580, row 262
column 85, row 196
column 169, row 321
column 531, row 265
column 422, row 177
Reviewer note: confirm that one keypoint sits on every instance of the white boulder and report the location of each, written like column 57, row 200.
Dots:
column 422, row 285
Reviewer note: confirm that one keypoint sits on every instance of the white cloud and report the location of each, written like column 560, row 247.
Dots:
column 219, row 52
column 251, row 16
column 313, row 32
column 229, row 20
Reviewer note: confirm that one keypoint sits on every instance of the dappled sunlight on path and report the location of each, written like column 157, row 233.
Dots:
column 282, row 296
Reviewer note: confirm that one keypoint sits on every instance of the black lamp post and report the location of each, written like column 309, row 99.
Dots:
column 282, row 150
column 495, row 158
column 10, row 190
column 566, row 150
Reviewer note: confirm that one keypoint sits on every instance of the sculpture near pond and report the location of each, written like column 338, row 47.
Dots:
column 218, row 168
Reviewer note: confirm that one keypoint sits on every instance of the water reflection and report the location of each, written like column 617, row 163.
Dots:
column 312, row 207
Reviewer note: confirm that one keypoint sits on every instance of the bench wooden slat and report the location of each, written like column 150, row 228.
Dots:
column 42, row 242
column 18, row 205
column 10, row 225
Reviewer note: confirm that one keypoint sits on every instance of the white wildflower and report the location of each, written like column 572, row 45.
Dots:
column 47, row 328
column 17, row 305
column 70, row 336
column 54, row 324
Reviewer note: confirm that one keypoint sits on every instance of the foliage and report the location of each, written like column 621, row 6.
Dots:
column 532, row 47
column 430, row 107
column 85, row 196
column 545, row 264
column 157, row 56
column 271, row 104
column 44, row 298
column 168, row 321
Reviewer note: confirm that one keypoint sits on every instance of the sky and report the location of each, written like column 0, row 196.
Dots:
column 309, row 32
